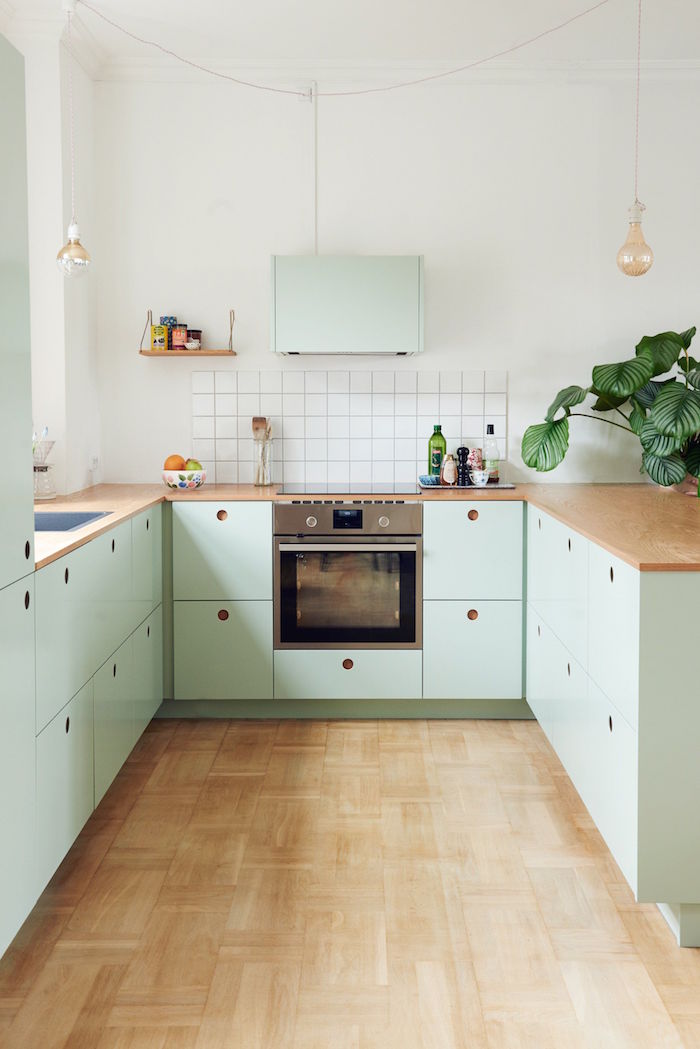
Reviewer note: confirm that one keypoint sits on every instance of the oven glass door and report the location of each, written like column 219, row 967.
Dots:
column 357, row 593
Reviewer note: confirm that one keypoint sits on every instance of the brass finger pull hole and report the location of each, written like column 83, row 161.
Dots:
column 473, row 515
column 67, row 724
column 472, row 614
column 148, row 631
column 539, row 632
column 348, row 664
column 610, row 723
column 568, row 669
column 65, row 575
column 114, row 670
column 27, row 550
column 148, row 524
column 569, row 546
column 222, row 614
column 26, row 599
column 222, row 515
column 112, row 546
column 612, row 574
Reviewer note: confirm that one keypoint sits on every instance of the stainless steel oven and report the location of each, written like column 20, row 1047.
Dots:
column 348, row 574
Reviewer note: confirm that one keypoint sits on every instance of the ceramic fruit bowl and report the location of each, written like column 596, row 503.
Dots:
column 184, row 478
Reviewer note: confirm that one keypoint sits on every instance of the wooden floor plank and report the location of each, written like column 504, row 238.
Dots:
column 347, row 884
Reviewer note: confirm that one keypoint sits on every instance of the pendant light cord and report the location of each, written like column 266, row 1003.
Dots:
column 71, row 117
column 357, row 91
column 636, row 117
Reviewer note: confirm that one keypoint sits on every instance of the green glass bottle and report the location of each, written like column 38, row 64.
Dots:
column 437, row 446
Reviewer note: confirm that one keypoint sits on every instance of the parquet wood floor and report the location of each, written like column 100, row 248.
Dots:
column 344, row 885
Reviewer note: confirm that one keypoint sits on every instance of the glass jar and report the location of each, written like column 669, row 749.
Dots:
column 263, row 450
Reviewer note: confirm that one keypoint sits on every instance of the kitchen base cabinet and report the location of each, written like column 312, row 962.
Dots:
column 472, row 649
column 147, row 561
column 223, row 649
column 351, row 674
column 114, row 716
column 148, row 670
column 64, row 782
column 540, row 688
column 557, row 580
column 17, row 756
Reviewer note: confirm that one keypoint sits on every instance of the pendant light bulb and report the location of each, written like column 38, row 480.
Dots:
column 635, row 256
column 73, row 260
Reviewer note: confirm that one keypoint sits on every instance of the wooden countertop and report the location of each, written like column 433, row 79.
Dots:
column 653, row 529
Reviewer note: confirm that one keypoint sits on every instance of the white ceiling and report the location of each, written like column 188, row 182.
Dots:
column 369, row 31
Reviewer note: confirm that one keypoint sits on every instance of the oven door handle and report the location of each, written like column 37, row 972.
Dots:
column 350, row 548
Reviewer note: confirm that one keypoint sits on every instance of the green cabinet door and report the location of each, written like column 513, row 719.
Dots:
column 17, row 756
column 114, row 716
column 147, row 561
column 473, row 550
column 472, row 650
column 613, row 630
column 222, row 551
column 148, row 670
column 223, row 649
column 84, row 612
column 16, row 505
column 64, row 781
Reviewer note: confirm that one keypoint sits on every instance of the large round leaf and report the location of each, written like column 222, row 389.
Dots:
column 647, row 394
column 687, row 337
column 637, row 418
column 692, row 460
column 544, row 445
column 693, row 377
column 566, row 399
column 664, row 470
column 654, row 442
column 606, row 402
column 625, row 377
column 676, row 411
column 664, row 349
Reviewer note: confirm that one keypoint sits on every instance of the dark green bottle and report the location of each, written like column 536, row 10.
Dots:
column 437, row 446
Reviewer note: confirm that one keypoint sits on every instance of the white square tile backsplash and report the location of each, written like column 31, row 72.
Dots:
column 340, row 426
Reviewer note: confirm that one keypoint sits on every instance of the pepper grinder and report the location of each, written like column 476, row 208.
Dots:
column 463, row 473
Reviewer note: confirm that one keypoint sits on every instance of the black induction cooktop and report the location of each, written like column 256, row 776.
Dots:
column 368, row 488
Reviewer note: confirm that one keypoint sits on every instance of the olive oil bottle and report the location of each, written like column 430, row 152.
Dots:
column 437, row 446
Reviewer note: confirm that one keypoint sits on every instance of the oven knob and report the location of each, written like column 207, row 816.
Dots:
column 312, row 521
column 383, row 522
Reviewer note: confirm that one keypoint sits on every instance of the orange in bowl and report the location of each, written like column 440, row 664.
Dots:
column 174, row 462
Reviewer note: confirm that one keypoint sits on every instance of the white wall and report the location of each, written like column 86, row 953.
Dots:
column 516, row 193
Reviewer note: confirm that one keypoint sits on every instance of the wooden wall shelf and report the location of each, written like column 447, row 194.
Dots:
column 187, row 353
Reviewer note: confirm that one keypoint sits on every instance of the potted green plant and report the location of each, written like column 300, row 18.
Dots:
column 655, row 396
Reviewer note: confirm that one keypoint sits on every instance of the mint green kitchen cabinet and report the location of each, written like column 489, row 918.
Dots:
column 16, row 505
column 473, row 550
column 347, row 304
column 613, row 630
column 472, row 650
column 541, row 683
column 148, row 670
column 17, row 756
column 557, row 580
column 64, row 781
column 147, row 561
column 222, row 551
column 351, row 674
column 223, row 649
column 114, row 716
column 84, row 612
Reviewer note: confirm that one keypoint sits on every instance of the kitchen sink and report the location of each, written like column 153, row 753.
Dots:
column 66, row 520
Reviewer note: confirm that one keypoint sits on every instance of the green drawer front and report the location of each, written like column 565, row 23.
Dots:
column 473, row 550
column 351, row 674
column 65, row 781
column 222, row 551
column 223, row 649
column 114, row 716
column 472, row 650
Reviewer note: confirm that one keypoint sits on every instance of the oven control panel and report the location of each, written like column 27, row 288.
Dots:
column 359, row 517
